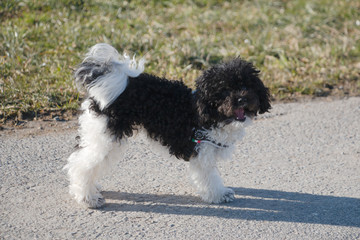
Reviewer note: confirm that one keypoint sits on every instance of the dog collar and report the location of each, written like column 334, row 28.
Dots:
column 201, row 136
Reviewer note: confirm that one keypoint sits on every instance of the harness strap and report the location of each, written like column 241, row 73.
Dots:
column 201, row 136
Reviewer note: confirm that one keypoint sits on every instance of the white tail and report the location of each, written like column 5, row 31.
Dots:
column 104, row 73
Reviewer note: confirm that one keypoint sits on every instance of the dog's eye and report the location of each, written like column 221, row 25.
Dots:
column 242, row 100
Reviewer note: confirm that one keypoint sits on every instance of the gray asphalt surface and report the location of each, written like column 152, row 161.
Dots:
column 296, row 175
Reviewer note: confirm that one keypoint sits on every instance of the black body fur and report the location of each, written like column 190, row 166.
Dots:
column 170, row 112
column 164, row 108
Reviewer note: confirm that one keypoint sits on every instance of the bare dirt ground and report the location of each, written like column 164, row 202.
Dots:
column 296, row 175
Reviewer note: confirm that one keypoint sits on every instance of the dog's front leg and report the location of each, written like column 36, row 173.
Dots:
column 206, row 178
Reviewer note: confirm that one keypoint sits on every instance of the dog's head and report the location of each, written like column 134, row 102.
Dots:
column 231, row 91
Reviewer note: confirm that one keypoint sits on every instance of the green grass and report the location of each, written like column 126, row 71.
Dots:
column 303, row 48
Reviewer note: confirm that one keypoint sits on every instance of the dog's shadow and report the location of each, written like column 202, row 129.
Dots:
column 250, row 204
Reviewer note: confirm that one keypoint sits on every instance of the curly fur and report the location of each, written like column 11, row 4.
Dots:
column 219, row 86
column 122, row 100
column 164, row 108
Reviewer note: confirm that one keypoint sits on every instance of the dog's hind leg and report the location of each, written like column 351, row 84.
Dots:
column 89, row 162
column 206, row 178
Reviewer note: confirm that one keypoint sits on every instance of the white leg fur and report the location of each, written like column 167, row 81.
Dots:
column 206, row 178
column 89, row 163
column 203, row 170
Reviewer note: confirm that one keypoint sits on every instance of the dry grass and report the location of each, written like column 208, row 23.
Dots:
column 303, row 48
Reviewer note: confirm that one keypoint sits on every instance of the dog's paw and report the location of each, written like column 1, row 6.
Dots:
column 228, row 196
column 95, row 202
column 224, row 195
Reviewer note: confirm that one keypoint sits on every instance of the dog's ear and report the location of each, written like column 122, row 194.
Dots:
column 262, row 91
column 264, row 97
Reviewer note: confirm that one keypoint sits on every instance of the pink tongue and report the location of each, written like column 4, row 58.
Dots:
column 240, row 113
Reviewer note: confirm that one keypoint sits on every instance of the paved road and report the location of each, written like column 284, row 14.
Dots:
column 296, row 175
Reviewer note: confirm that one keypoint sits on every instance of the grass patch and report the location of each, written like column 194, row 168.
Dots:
column 309, row 48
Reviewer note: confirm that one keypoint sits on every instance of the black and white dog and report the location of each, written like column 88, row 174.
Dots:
column 200, row 127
